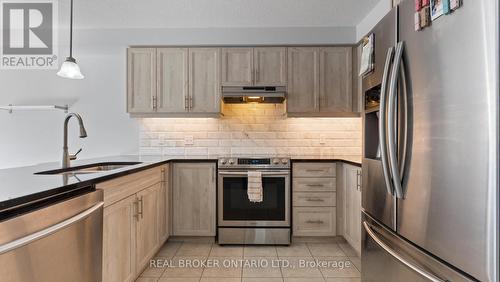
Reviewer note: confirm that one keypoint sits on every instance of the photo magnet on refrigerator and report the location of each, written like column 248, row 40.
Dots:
column 418, row 5
column 446, row 7
column 417, row 21
column 425, row 17
column 455, row 4
column 436, row 9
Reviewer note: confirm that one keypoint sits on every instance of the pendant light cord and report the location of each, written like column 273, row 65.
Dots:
column 71, row 31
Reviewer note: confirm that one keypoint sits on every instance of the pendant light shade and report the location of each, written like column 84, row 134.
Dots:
column 70, row 69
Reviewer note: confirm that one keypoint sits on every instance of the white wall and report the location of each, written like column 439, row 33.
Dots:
column 372, row 18
column 100, row 48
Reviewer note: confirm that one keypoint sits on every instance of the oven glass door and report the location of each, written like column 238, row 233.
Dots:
column 236, row 210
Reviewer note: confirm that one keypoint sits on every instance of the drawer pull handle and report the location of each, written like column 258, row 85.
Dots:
column 315, row 221
column 315, row 170
column 315, row 200
column 315, row 185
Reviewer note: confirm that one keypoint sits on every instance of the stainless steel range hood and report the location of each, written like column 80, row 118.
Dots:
column 253, row 94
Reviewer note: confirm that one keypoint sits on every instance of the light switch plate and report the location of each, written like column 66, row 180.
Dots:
column 188, row 140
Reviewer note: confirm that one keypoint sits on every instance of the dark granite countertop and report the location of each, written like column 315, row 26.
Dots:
column 22, row 185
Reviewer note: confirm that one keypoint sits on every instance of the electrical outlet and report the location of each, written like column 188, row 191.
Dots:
column 188, row 140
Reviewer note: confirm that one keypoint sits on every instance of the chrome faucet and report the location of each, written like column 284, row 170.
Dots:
column 83, row 133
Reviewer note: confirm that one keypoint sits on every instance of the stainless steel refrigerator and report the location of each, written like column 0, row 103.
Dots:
column 430, row 157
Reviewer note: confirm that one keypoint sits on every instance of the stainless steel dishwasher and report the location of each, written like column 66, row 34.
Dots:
column 59, row 241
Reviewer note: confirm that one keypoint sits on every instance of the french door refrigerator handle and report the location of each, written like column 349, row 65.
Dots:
column 382, row 122
column 48, row 231
column 391, row 118
column 404, row 97
column 397, row 256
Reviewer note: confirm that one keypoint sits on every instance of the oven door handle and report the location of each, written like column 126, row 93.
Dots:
column 264, row 173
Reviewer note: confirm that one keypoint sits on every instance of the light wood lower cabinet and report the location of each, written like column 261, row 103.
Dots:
column 194, row 189
column 147, row 225
column 164, row 206
column 352, row 206
column 135, row 223
column 119, row 239
column 314, row 199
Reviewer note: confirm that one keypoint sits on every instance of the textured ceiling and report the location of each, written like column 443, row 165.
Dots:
column 218, row 13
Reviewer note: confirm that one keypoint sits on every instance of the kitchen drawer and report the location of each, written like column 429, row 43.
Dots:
column 314, row 169
column 314, row 184
column 314, row 221
column 317, row 199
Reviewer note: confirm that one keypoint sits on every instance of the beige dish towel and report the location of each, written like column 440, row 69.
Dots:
column 255, row 186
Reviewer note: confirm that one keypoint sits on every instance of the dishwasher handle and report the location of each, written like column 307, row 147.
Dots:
column 48, row 231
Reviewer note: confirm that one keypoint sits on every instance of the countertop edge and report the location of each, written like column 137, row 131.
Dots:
column 60, row 190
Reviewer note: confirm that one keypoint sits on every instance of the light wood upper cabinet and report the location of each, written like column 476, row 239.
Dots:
column 237, row 66
column 141, row 79
column 186, row 82
column 204, row 80
column 270, row 66
column 172, row 72
column 119, row 239
column 335, row 68
column 352, row 206
column 147, row 224
column 303, row 80
column 193, row 199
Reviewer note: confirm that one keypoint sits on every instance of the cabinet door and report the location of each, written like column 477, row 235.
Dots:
column 119, row 241
column 352, row 227
column 270, row 66
column 163, row 209
column 147, row 241
column 204, row 80
column 172, row 72
column 335, row 79
column 303, row 80
column 141, row 80
column 194, row 199
column 237, row 66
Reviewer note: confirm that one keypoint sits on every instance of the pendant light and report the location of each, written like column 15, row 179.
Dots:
column 69, row 69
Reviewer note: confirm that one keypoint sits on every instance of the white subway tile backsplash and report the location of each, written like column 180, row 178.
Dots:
column 253, row 130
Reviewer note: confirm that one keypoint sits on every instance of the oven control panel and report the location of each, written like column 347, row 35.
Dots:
column 254, row 162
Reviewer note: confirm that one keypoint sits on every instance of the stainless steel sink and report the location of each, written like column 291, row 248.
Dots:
column 90, row 168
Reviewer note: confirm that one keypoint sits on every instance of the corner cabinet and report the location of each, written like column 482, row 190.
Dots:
column 135, row 223
column 193, row 199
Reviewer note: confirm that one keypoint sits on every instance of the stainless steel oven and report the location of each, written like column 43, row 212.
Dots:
column 241, row 221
